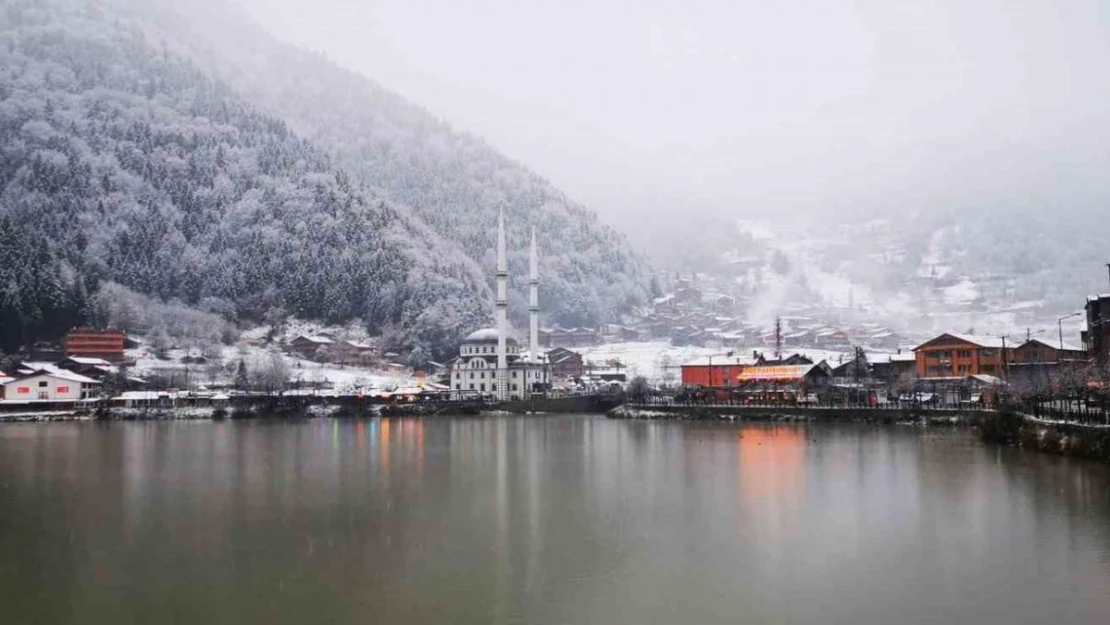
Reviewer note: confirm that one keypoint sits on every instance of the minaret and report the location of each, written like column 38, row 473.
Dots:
column 502, row 309
column 534, row 302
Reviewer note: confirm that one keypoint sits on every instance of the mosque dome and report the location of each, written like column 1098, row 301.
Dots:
column 486, row 335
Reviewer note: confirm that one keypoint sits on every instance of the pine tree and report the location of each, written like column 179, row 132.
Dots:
column 241, row 381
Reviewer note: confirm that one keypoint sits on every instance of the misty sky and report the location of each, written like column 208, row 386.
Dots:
column 752, row 107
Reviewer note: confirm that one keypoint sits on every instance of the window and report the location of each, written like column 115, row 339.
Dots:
column 472, row 387
column 514, row 387
column 471, row 377
column 963, row 353
column 458, row 387
column 483, row 388
column 482, row 375
column 43, row 384
column 514, row 375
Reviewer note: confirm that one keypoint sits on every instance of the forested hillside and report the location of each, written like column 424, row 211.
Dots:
column 176, row 149
column 128, row 163
column 453, row 182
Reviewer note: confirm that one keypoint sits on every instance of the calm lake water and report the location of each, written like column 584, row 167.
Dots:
column 543, row 520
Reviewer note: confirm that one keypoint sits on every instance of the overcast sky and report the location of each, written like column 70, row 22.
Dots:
column 750, row 107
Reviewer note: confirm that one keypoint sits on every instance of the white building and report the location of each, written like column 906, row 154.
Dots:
column 474, row 372
column 490, row 361
column 53, row 386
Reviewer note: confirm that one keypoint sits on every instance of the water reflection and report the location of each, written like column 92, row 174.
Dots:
column 511, row 520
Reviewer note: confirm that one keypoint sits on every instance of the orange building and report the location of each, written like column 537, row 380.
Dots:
column 961, row 355
column 727, row 374
column 106, row 344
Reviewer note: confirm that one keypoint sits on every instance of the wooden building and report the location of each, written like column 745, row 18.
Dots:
column 961, row 355
column 106, row 344
column 310, row 347
column 564, row 363
column 1037, row 351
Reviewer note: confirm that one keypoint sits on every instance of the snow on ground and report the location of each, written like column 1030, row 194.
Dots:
column 661, row 363
column 256, row 358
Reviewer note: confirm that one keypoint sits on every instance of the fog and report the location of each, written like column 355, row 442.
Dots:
column 750, row 108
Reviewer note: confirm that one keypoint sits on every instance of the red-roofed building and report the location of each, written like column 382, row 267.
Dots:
column 106, row 344
column 962, row 355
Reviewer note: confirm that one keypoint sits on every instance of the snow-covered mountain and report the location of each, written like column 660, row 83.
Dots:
column 177, row 150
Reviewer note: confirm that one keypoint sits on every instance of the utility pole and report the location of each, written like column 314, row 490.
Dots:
column 1005, row 362
column 778, row 338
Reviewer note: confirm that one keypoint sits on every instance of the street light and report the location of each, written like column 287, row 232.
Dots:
column 1060, row 326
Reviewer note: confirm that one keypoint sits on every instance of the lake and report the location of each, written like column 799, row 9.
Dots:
column 572, row 519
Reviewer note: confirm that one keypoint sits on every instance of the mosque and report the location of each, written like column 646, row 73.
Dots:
column 490, row 361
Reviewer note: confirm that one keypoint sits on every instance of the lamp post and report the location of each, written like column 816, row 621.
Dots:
column 1060, row 326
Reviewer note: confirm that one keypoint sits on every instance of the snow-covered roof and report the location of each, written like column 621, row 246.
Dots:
column 84, row 360
column 5, row 379
column 59, row 373
column 143, row 395
column 721, row 361
column 986, row 379
column 323, row 340
column 486, row 335
column 27, row 368
column 909, row 357
column 993, row 342
column 1068, row 347
column 982, row 340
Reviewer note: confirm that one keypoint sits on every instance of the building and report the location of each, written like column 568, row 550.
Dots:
column 962, row 355
column 96, row 368
column 310, row 347
column 568, row 337
column 106, row 344
column 855, row 370
column 563, row 363
column 615, row 333
column 1097, row 336
column 343, row 351
column 50, row 386
column 490, row 362
column 706, row 373
column 1036, row 351
column 896, row 369
column 474, row 372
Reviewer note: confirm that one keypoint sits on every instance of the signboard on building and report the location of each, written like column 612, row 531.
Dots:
column 773, row 373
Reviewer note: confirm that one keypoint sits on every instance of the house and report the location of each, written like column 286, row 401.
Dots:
column 617, row 333
column 725, row 303
column 897, row 368
column 96, row 368
column 832, row 339
column 106, row 344
column 567, row 337
column 855, row 370
column 344, row 351
column 50, row 386
column 309, row 347
column 713, row 372
column 563, row 363
column 793, row 359
column 1036, row 351
column 960, row 355
column 146, row 399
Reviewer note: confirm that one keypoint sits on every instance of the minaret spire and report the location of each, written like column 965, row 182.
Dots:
column 534, row 301
column 502, row 309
